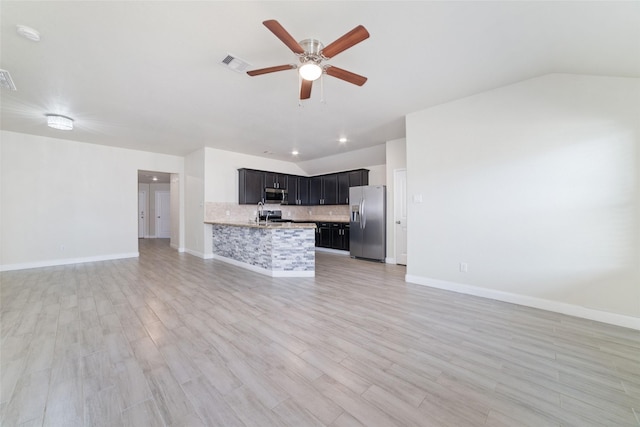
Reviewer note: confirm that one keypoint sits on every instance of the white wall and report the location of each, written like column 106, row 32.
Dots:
column 177, row 212
column 377, row 174
column 536, row 186
column 194, row 203
column 221, row 171
column 65, row 201
column 348, row 160
column 396, row 154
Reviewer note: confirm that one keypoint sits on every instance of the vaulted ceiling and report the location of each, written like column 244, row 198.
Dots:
column 148, row 75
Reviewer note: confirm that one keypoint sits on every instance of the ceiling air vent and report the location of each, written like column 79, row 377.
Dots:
column 5, row 80
column 236, row 64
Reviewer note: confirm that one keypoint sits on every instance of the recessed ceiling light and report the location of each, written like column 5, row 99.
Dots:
column 342, row 140
column 59, row 122
column 295, row 152
column 28, row 33
column 155, row 178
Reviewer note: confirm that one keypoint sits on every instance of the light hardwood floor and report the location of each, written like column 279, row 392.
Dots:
column 172, row 340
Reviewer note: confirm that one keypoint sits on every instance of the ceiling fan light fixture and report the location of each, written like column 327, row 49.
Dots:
column 59, row 122
column 310, row 71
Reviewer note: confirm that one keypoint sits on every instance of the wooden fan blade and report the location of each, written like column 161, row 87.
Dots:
column 286, row 38
column 350, row 39
column 271, row 69
column 305, row 89
column 345, row 75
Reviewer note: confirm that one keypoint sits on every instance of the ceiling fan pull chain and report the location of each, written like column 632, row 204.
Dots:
column 322, row 89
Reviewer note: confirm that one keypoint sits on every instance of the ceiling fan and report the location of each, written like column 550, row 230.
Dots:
column 311, row 54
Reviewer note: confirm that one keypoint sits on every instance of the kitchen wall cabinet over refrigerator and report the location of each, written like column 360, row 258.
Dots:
column 350, row 179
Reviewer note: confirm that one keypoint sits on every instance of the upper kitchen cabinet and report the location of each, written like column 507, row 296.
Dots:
column 275, row 180
column 349, row 179
column 298, row 190
column 330, row 189
column 323, row 190
column 251, row 186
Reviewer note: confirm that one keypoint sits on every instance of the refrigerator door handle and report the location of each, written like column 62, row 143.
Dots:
column 363, row 220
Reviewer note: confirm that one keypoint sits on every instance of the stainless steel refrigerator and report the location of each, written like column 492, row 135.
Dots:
column 368, row 223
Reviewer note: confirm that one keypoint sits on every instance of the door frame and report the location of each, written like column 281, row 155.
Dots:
column 400, row 208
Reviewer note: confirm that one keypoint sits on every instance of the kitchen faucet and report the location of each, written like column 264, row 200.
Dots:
column 259, row 211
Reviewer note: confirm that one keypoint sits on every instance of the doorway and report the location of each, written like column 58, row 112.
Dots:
column 154, row 194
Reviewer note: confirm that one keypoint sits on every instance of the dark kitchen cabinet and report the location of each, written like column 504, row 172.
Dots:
column 330, row 189
column 349, row 179
column 343, row 188
column 324, row 234
column 323, row 190
column 298, row 190
column 332, row 235
column 275, row 180
column 340, row 236
column 251, row 186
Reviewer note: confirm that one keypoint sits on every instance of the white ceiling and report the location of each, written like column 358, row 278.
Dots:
column 147, row 75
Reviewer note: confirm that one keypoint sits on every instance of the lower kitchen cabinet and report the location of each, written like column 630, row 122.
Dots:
column 340, row 236
column 324, row 234
column 333, row 235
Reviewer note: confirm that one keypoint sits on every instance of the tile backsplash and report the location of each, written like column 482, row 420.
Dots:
column 221, row 211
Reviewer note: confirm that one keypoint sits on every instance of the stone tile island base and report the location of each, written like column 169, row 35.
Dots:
column 283, row 250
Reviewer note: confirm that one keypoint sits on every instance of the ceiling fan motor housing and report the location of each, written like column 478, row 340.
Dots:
column 312, row 51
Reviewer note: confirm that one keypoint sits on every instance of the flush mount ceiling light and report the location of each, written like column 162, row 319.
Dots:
column 59, row 122
column 294, row 153
column 310, row 71
column 342, row 140
column 28, row 33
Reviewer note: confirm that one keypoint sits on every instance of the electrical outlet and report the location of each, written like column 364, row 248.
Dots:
column 464, row 267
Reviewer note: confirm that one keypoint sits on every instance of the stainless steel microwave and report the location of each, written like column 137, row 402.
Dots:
column 275, row 195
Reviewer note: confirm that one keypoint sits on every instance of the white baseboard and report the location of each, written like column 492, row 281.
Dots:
column 529, row 301
column 66, row 261
column 177, row 248
column 198, row 254
column 272, row 273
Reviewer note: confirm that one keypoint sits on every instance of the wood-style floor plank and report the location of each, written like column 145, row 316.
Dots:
column 170, row 339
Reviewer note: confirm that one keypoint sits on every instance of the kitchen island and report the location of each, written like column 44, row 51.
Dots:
column 274, row 249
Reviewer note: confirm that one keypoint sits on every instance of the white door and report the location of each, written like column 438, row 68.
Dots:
column 163, row 218
column 142, row 214
column 400, row 212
